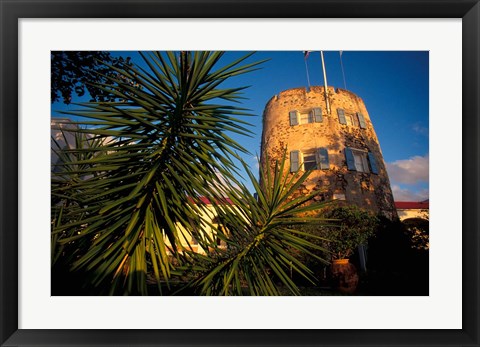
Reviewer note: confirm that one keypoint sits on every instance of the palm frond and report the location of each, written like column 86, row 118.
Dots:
column 171, row 140
column 262, row 246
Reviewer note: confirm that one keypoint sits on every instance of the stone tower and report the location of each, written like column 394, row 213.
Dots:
column 341, row 147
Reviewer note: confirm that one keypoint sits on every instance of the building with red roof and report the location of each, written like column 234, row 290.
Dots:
column 412, row 209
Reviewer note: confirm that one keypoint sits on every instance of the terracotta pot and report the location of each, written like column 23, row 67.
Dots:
column 344, row 276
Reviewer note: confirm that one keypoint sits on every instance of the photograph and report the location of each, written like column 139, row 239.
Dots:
column 240, row 173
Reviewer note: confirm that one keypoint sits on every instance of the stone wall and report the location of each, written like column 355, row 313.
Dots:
column 365, row 189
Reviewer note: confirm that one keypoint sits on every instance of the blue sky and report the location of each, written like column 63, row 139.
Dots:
column 394, row 86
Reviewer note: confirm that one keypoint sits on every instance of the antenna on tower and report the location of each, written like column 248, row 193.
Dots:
column 325, row 83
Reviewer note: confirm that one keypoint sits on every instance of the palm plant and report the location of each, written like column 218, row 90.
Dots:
column 172, row 147
column 262, row 239
column 71, row 152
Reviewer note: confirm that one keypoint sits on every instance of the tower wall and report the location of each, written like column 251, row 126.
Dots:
column 363, row 182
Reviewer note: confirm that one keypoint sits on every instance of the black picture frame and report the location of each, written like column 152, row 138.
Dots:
column 11, row 11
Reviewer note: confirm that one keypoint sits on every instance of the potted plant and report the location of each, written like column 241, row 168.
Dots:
column 353, row 228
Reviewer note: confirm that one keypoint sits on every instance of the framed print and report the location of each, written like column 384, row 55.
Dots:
column 439, row 58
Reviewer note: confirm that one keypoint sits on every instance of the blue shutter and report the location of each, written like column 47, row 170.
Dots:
column 350, row 159
column 293, row 118
column 373, row 163
column 294, row 161
column 361, row 120
column 317, row 113
column 322, row 159
column 341, row 116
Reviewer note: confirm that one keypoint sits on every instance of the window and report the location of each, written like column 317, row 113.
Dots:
column 315, row 159
column 356, row 120
column 222, row 232
column 360, row 161
column 306, row 118
column 313, row 115
column 339, row 196
column 309, row 161
column 350, row 120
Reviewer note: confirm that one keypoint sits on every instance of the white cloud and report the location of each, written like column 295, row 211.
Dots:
column 419, row 129
column 406, row 175
column 409, row 171
column 403, row 194
column 256, row 161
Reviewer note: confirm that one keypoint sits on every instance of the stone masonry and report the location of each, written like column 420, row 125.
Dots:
column 340, row 147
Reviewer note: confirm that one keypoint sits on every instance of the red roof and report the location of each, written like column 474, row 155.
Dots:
column 410, row 205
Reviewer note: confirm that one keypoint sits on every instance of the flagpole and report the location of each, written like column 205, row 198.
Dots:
column 306, row 69
column 325, row 83
column 343, row 72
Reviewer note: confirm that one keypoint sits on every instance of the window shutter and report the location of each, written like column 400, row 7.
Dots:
column 341, row 116
column 293, row 118
column 322, row 159
column 361, row 120
column 350, row 159
column 317, row 113
column 294, row 161
column 373, row 163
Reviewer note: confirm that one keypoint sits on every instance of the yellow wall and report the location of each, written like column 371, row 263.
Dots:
column 412, row 213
